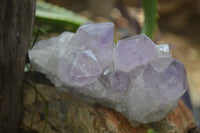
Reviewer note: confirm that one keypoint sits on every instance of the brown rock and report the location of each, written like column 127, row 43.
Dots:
column 68, row 114
column 182, row 118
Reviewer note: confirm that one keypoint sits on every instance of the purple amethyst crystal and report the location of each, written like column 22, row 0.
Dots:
column 134, row 51
column 98, row 38
column 137, row 78
column 159, row 82
column 79, row 68
column 120, row 81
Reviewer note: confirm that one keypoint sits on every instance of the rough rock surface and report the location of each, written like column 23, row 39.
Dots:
column 68, row 114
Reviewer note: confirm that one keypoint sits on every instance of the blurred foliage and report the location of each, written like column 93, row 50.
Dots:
column 150, row 12
column 151, row 131
column 53, row 18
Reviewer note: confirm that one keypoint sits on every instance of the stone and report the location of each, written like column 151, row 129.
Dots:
column 137, row 78
column 69, row 114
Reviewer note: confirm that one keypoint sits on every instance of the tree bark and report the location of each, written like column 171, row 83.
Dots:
column 16, row 22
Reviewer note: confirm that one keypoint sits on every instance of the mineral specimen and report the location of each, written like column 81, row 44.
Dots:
column 137, row 78
column 134, row 51
column 98, row 38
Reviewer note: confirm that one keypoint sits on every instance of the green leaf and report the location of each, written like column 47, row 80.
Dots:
column 57, row 17
column 150, row 12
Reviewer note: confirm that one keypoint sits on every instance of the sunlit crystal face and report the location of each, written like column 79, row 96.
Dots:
column 79, row 68
column 98, row 38
column 134, row 51
column 164, row 50
column 137, row 78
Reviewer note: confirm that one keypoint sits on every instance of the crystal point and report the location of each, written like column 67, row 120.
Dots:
column 98, row 38
column 154, row 83
column 134, row 51
column 164, row 50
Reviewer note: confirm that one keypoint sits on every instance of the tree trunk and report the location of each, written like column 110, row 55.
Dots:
column 16, row 21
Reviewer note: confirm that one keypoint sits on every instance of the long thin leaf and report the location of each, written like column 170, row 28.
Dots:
column 151, row 12
column 60, row 18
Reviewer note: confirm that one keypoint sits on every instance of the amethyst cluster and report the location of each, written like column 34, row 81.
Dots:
column 136, row 77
